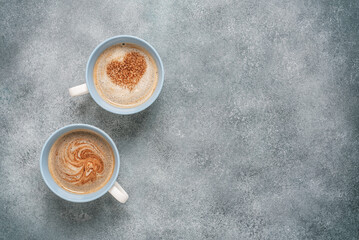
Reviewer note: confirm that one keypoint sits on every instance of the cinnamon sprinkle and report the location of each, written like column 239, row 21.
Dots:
column 127, row 73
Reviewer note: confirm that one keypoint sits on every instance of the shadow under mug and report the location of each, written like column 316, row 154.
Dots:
column 89, row 86
column 111, row 186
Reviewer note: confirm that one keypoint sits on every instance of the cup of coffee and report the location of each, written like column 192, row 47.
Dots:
column 124, row 75
column 80, row 163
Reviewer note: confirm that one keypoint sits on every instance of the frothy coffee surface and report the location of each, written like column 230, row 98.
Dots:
column 125, row 75
column 81, row 161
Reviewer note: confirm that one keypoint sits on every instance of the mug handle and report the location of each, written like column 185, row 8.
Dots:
column 118, row 193
column 78, row 90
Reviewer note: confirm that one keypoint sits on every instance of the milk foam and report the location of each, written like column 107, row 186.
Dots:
column 117, row 95
column 81, row 161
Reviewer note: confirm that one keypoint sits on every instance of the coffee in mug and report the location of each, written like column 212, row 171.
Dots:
column 81, row 161
column 125, row 75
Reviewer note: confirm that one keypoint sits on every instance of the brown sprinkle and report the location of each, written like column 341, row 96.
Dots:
column 127, row 73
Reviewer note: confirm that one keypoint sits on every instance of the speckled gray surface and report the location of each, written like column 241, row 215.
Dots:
column 254, row 136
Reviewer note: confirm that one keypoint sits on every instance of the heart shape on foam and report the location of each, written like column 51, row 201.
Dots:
column 128, row 72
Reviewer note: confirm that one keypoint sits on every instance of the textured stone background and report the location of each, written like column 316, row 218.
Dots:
column 254, row 136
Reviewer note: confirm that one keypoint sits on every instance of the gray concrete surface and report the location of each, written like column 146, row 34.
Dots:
column 254, row 136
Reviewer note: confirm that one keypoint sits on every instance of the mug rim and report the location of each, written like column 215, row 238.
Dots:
column 112, row 108
column 89, row 196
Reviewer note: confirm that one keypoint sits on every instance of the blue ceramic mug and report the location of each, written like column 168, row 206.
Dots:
column 111, row 186
column 89, row 86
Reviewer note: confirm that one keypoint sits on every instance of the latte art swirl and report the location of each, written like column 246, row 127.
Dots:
column 81, row 162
